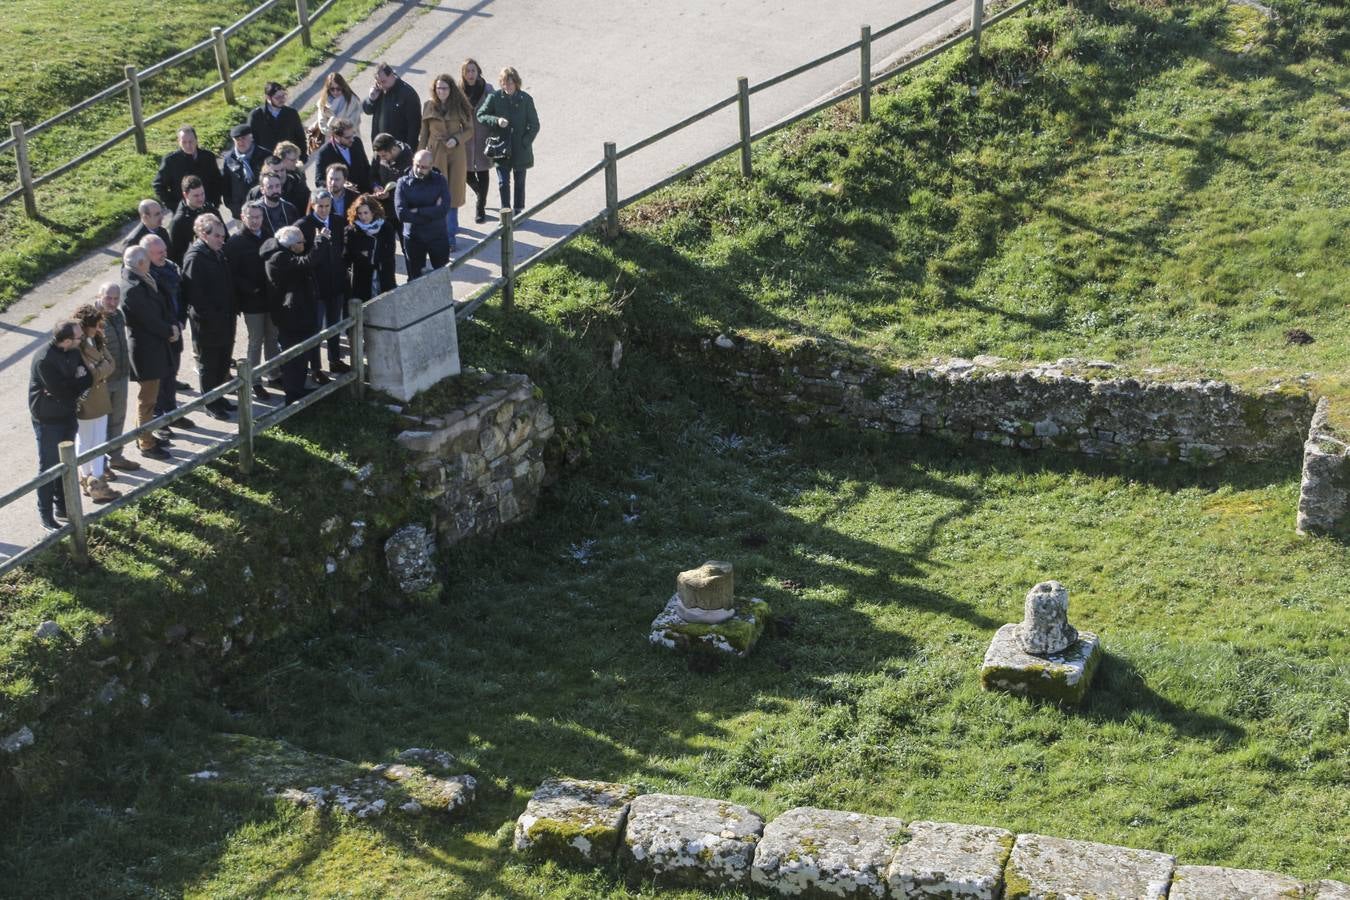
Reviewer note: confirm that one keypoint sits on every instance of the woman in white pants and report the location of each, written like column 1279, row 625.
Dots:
column 94, row 405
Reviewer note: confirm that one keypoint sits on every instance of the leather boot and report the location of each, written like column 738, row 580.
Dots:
column 99, row 491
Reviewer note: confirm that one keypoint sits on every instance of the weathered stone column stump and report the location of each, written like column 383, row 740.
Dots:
column 703, row 614
column 1043, row 655
column 574, row 822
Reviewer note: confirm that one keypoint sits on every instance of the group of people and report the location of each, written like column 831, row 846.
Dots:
column 296, row 257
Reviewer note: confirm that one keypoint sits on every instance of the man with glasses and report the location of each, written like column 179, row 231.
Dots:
column 343, row 146
column 421, row 199
column 274, row 121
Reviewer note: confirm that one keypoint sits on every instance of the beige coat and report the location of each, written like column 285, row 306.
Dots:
column 100, row 363
column 436, row 130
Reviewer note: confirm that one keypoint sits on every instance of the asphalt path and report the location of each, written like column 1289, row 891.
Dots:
column 598, row 70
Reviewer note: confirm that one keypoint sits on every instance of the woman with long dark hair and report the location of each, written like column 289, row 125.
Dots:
column 370, row 247
column 337, row 100
column 477, row 163
column 447, row 124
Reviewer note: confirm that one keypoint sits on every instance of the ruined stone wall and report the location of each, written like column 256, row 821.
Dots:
column 1324, row 493
column 482, row 462
column 1070, row 405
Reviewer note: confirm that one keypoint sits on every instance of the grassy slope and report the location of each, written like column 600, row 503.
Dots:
column 57, row 52
column 1217, row 730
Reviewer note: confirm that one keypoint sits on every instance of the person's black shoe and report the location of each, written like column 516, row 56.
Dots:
column 480, row 217
column 321, row 378
column 219, row 412
column 339, row 367
column 163, row 434
column 181, row 386
column 49, row 523
column 184, row 422
column 228, row 405
column 260, row 392
column 163, row 443
column 156, row 453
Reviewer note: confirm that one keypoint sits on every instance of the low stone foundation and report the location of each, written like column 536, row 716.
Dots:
column 482, row 463
column 1324, row 495
column 809, row 852
column 1071, row 405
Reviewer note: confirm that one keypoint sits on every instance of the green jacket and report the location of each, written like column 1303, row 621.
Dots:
column 518, row 109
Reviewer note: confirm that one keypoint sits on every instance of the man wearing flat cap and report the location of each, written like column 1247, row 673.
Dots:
column 242, row 167
column 275, row 122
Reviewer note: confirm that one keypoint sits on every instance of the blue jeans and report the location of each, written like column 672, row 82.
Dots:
column 49, row 437
column 504, row 174
column 452, row 224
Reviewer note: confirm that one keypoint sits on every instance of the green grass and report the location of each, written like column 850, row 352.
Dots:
column 1216, row 729
column 59, row 52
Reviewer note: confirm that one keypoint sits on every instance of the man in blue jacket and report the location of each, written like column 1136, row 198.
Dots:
column 56, row 380
column 421, row 200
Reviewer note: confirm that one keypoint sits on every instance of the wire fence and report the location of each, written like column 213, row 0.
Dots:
column 606, row 219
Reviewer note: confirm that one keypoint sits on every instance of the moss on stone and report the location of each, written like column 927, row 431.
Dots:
column 740, row 632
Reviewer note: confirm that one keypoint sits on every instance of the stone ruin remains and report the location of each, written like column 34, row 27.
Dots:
column 703, row 614
column 1043, row 655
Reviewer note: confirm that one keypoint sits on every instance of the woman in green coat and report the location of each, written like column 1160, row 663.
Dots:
column 510, row 114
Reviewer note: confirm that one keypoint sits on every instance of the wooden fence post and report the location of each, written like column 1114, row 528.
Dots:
column 245, row 415
column 70, row 486
column 743, row 98
column 611, row 190
column 358, row 314
column 508, row 262
column 137, row 116
column 865, row 73
column 25, row 170
column 223, row 63
column 302, row 13
column 976, row 27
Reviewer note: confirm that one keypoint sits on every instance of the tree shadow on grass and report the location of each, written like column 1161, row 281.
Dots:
column 1119, row 691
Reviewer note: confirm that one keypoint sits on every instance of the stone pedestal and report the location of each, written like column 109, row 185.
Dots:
column 1218, row 883
column 959, row 862
column 809, row 852
column 690, row 841
column 575, row 822
column 1044, row 867
column 735, row 636
column 707, row 594
column 1045, row 629
column 1064, row 677
column 411, row 340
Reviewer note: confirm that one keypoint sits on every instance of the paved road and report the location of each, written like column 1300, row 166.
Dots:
column 599, row 70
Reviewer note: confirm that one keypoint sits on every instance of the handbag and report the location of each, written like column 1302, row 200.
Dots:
column 497, row 147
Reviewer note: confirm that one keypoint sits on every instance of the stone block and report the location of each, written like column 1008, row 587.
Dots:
column 690, row 841
column 957, row 862
column 1064, row 677
column 736, row 636
column 410, row 334
column 1050, row 868
column 1218, row 883
column 574, row 821
column 808, row 852
column 1326, row 889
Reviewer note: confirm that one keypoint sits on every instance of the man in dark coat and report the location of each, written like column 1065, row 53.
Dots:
column 343, row 146
column 393, row 107
column 290, row 272
column 150, row 331
column 249, row 275
column 241, row 167
column 208, row 296
column 274, row 121
column 57, row 377
column 169, row 280
column 335, row 181
column 188, row 159
column 152, row 222
column 421, row 200
column 180, row 226
column 277, row 211
column 393, row 159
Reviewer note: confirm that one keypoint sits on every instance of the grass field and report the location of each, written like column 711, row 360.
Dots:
column 56, row 53
column 1099, row 186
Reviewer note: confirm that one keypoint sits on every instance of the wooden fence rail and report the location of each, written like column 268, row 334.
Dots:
column 353, row 325
column 131, row 86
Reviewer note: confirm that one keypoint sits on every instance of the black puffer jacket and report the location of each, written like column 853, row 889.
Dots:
column 242, row 251
column 54, row 387
column 208, row 295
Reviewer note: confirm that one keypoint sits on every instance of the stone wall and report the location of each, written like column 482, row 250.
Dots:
column 481, row 461
column 1071, row 405
column 716, row 845
column 1324, row 495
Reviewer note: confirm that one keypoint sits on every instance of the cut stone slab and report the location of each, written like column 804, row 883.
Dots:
column 808, row 852
column 1051, row 868
column 411, row 338
column 573, row 821
column 690, row 841
column 954, row 862
column 1064, row 677
column 1326, row 889
column 736, row 636
column 1219, row 883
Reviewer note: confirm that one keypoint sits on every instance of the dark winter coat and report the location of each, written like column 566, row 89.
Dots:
column 115, row 333
column 208, row 296
column 330, row 266
column 54, row 388
column 371, row 256
column 150, row 324
column 239, row 182
column 168, row 183
column 397, row 111
column 141, row 231
column 242, row 252
column 270, row 130
column 358, row 170
column 169, row 282
column 294, row 294
column 422, row 205
column 518, row 109
column 180, row 230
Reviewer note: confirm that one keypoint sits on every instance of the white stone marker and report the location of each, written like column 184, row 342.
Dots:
column 954, row 862
column 808, row 852
column 1042, row 868
column 1218, row 883
column 411, row 338
column 690, row 841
